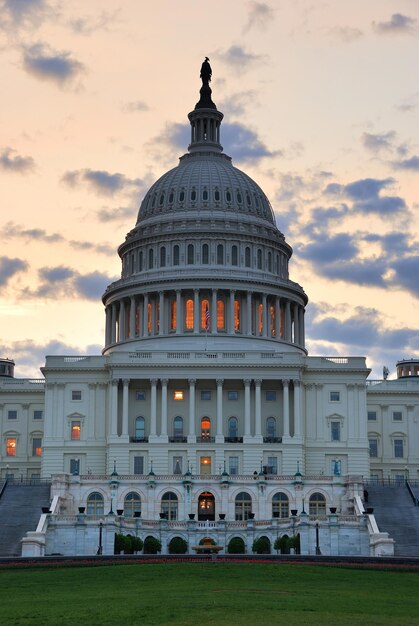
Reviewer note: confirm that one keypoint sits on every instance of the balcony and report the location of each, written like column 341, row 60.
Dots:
column 178, row 439
column 272, row 440
column 233, row 439
column 205, row 439
column 138, row 439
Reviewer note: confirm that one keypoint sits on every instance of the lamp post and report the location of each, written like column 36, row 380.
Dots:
column 114, row 482
column 318, row 551
column 100, row 548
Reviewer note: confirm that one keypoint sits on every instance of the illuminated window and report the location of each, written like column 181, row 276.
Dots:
column 205, row 428
column 11, row 443
column 76, row 394
column 205, row 315
column 176, row 255
column 317, row 504
column 272, row 319
column 149, row 318
column 95, row 504
column 132, row 504
column 75, row 430
column 178, row 395
column 189, row 314
column 260, row 318
column 243, row 506
column 220, row 315
column 280, row 505
column 137, row 320
column 169, row 505
column 234, row 255
column 236, row 315
column 37, row 446
column 205, row 254
column 205, row 465
column 173, row 315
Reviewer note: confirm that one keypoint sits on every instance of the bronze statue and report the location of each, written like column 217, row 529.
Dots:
column 206, row 72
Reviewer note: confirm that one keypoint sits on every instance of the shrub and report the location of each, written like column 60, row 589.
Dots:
column 151, row 545
column 261, row 546
column 281, row 543
column 236, row 545
column 127, row 544
column 178, row 545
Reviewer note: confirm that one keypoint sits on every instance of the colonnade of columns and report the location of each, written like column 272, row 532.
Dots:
column 201, row 310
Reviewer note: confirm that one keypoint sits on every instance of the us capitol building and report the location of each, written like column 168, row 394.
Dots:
column 204, row 416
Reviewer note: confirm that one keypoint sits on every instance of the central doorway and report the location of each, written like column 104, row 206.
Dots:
column 206, row 507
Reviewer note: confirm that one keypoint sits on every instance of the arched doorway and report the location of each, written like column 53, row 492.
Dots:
column 206, row 506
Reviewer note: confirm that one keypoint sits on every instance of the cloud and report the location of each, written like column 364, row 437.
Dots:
column 398, row 24
column 89, row 25
column 407, row 274
column 365, row 194
column 326, row 249
column 119, row 214
column 136, row 105
column 237, row 58
column 260, row 16
column 62, row 281
column 243, row 144
column 10, row 161
column 9, row 268
column 237, row 103
column 346, row 34
column 408, row 164
column 375, row 142
column 16, row 14
column 101, row 182
column 47, row 64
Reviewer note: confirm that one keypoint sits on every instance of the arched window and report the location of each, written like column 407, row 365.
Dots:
column 269, row 261
column 220, row 254
column 150, row 259
column 132, row 504
column 259, row 257
column 205, row 254
column 248, row 199
column 176, row 255
column 236, row 315
column 205, row 195
column 189, row 314
column 169, row 505
column 220, row 315
column 205, row 428
column 317, row 504
column 233, row 428
column 271, row 428
column 228, row 196
column 140, row 261
column 247, row 257
column 217, row 195
column 163, row 257
column 260, row 318
column 205, row 314
column 140, row 428
column 190, row 254
column 178, row 427
column 280, row 505
column 161, row 200
column 239, row 197
column 277, row 265
column 193, row 195
column 242, row 506
column 272, row 319
column 234, row 255
column 182, row 196
column 173, row 315
column 149, row 318
column 171, row 197
column 95, row 504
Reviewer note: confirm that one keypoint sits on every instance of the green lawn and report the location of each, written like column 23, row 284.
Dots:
column 208, row 593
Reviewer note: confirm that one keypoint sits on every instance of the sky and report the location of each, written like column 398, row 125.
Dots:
column 321, row 108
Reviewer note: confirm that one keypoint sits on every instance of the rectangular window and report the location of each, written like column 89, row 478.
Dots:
column 177, row 464
column 398, row 448
column 205, row 465
column 397, row 416
column 233, row 395
column 76, row 394
column 205, row 394
column 372, row 416
column 75, row 430
column 139, row 465
column 74, row 467
column 11, row 443
column 270, row 396
column 233, row 465
column 373, row 443
column 335, row 396
column 38, row 414
column 140, row 395
column 12, row 415
column 37, row 446
column 335, row 431
column 272, row 466
column 178, row 395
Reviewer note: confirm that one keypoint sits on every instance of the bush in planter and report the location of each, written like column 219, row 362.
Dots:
column 236, row 545
column 177, row 545
column 151, row 545
column 294, row 542
column 261, row 546
column 282, row 544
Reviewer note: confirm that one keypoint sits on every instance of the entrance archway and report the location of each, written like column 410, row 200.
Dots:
column 206, row 506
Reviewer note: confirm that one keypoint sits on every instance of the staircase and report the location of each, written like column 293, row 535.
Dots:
column 20, row 508
column 396, row 514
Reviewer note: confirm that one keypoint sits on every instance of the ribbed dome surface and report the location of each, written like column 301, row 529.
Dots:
column 205, row 181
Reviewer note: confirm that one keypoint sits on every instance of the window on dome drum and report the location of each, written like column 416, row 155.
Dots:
column 161, row 200
column 190, row 254
column 177, row 464
column 182, row 196
column 150, row 259
column 171, row 197
column 140, row 261
column 232, row 395
column 242, row 506
column 233, row 428
column 259, row 259
column 334, row 396
column 272, row 466
column 398, row 445
column 397, row 416
column 95, row 504
column 280, row 505
column 205, row 195
column 74, row 467
column 205, row 254
column 234, row 255
column 11, row 445
column 373, row 444
column 247, row 257
column 217, row 195
column 75, row 430
column 139, row 465
column 277, row 264
column 189, row 314
column 236, row 315
column 248, row 199
column 140, row 395
column 12, row 415
column 178, row 395
column 205, row 465
column 228, row 196
column 205, row 428
column 169, row 505
column 76, row 394
column 220, row 315
column 193, row 195
column 140, row 428
column 270, row 395
column 153, row 202
column 269, row 261
column 260, row 318
column 272, row 319
column 176, row 255
column 317, row 504
column 233, row 465
column 205, row 394
column 178, row 427
column 205, row 315
column 335, row 431
column 163, row 257
column 220, row 254
column 372, row 416
column 132, row 263
column 37, row 446
column 132, row 504
column 239, row 197
column 38, row 414
column 173, row 315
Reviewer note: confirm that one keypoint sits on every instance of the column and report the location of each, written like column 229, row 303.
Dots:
column 153, row 408
column 301, row 326
column 286, row 407
column 191, row 436
column 163, row 432
column 114, row 408
column 145, row 315
column 231, row 312
column 219, row 436
column 264, row 316
column 287, row 320
column 196, row 311
column 351, row 412
column 132, row 318
column 60, row 410
column 296, row 337
column 50, row 389
column 247, row 432
column 249, row 312
column 178, row 312
column 277, row 318
column 125, row 390
column 161, row 313
column 113, row 322
column 92, row 411
column 297, row 408
column 214, row 312
column 319, row 412
column 258, row 408
column 108, row 326
column 122, row 320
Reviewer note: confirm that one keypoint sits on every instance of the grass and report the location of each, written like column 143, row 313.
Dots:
column 219, row 594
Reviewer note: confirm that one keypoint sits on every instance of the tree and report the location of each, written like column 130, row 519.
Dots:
column 236, row 545
column 151, row 545
column 178, row 545
column 261, row 546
